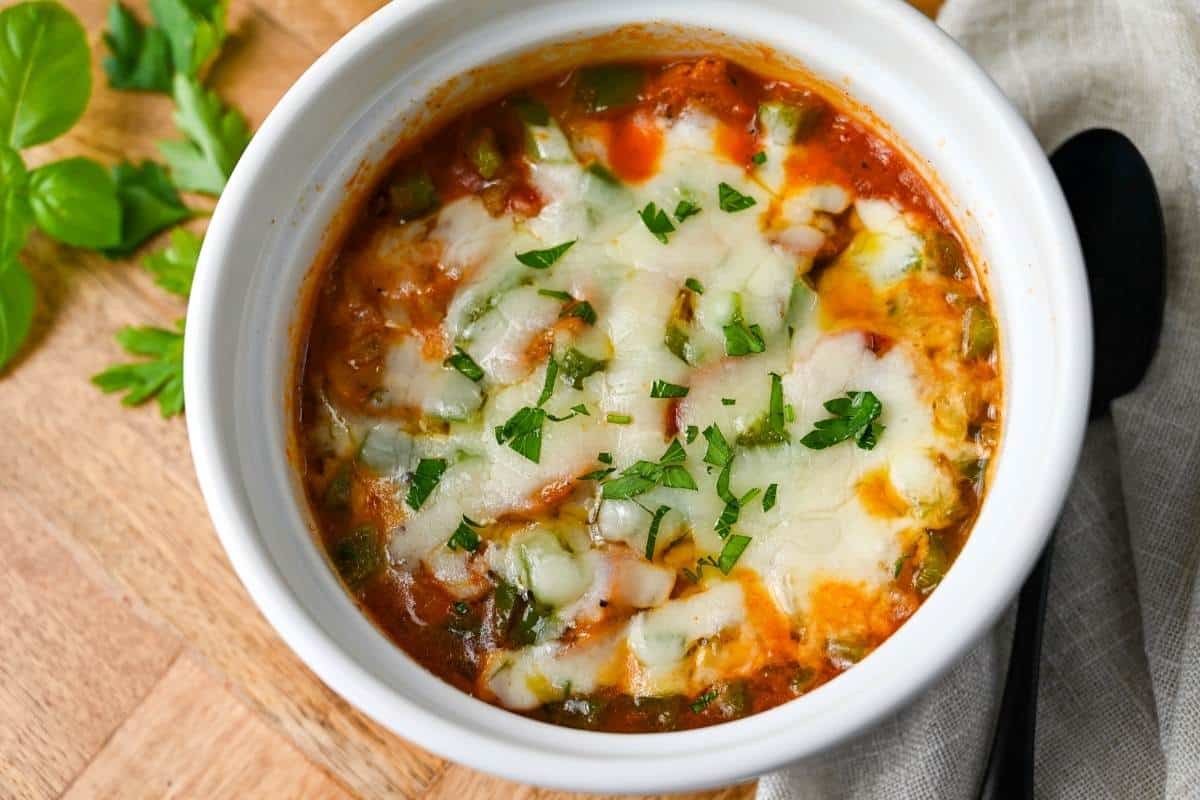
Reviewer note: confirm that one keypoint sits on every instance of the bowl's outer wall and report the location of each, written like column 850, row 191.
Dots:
column 367, row 91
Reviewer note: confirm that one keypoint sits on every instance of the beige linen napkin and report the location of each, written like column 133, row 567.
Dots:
column 1119, row 702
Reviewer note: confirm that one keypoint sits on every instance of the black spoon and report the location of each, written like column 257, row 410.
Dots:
column 1119, row 220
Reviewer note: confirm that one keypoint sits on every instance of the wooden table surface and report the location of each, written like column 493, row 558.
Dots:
column 132, row 662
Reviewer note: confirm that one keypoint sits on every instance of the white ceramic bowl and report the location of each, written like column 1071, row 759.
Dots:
column 353, row 105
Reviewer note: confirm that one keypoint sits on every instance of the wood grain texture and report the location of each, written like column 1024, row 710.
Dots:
column 132, row 662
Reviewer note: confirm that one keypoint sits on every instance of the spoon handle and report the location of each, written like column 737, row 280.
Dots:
column 1009, row 771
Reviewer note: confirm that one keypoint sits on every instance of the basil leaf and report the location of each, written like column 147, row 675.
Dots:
column 75, row 201
column 216, row 136
column 174, row 266
column 45, row 73
column 140, row 56
column 161, row 376
column 854, row 417
column 735, row 545
column 685, row 209
column 719, row 452
column 523, row 432
column 652, row 537
column 16, row 215
column 541, row 259
column 577, row 366
column 464, row 536
column 17, row 302
column 769, row 498
column 463, row 362
column 694, row 285
column 661, row 389
column 149, row 203
column 194, row 28
column 731, row 200
column 656, row 221
column 742, row 339
column 424, row 480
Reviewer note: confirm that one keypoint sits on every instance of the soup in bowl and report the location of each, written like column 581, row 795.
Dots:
column 567, row 378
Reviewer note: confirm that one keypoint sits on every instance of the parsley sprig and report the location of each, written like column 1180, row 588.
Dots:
column 855, row 416
column 642, row 476
column 523, row 430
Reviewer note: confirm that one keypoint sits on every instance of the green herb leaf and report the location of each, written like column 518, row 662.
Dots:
column 731, row 200
column 462, row 361
column 603, row 173
column 523, row 432
column 694, row 285
column 771, row 428
column 149, row 203
column 216, row 136
column 656, row 221
column 632, row 483
column 854, row 417
column 661, row 389
column 17, row 302
column 464, row 536
column 735, row 545
column 161, row 376
column 16, row 215
column 424, row 480
column 141, row 56
column 652, row 537
column 45, row 73
column 605, row 458
column 75, row 201
column 675, row 454
column 701, row 702
column 769, row 498
column 583, row 309
column 759, row 158
column 619, row 419
column 683, row 210
column 174, row 266
column 728, row 401
column 195, row 30
column 719, row 453
column 541, row 259
column 548, row 383
column 597, row 474
column 692, row 433
column 556, row 294
column 742, row 339
column 577, row 366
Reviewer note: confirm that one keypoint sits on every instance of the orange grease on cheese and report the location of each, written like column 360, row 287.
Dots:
column 635, row 144
column 879, row 495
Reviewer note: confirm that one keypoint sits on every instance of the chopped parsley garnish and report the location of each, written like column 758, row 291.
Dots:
column 583, row 309
column 695, row 285
column 642, row 476
column 523, row 432
column 731, row 200
column 769, row 497
column 461, row 608
column 771, row 428
column 742, row 339
column 728, row 401
column 652, row 537
column 597, row 474
column 692, row 433
column 540, row 259
column 605, row 458
column 685, row 209
column 424, row 480
column 577, row 366
column 662, row 389
column 463, row 362
column 603, row 173
column 656, row 221
column 619, row 419
column 556, row 294
column 701, row 702
column 854, row 417
column 759, row 158
column 464, row 536
column 548, row 384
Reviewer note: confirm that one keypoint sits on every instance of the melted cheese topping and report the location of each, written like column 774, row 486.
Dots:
column 818, row 578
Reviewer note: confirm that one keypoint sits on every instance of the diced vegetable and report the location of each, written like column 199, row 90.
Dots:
column 386, row 450
column 337, row 493
column 485, row 155
column 786, row 123
column 544, row 140
column 530, row 622
column 801, row 304
column 412, row 196
column 609, row 86
column 979, row 332
column 734, row 700
column 933, row 565
column 358, row 555
column 845, row 652
column 575, row 712
column 659, row 713
column 680, row 344
column 944, row 255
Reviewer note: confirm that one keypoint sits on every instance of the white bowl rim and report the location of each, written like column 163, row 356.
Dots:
column 654, row 771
